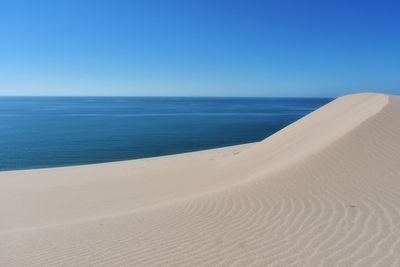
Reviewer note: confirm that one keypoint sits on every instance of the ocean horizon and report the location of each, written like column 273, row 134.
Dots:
column 42, row 132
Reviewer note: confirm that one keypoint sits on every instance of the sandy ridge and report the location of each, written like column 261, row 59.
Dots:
column 322, row 192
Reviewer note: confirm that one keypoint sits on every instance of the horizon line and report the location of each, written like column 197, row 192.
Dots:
column 161, row 96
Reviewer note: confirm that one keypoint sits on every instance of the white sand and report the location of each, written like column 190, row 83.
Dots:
column 324, row 191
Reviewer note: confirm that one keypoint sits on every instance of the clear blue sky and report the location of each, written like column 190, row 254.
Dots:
column 199, row 48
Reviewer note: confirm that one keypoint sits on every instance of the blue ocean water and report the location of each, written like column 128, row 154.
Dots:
column 38, row 132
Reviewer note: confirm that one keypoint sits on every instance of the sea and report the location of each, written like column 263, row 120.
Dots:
column 41, row 132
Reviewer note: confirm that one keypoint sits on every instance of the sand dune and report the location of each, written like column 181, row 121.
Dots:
column 324, row 191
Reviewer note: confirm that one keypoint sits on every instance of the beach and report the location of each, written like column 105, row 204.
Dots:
column 324, row 191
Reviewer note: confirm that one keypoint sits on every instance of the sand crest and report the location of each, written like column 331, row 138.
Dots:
column 324, row 191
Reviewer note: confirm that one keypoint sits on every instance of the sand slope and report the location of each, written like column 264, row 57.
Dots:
column 324, row 191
